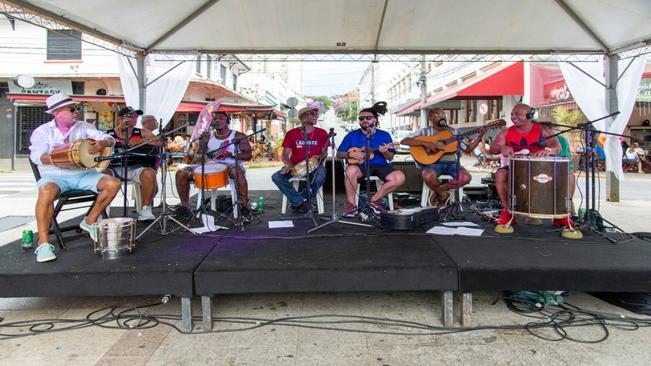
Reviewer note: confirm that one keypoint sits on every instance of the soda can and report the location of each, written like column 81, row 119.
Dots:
column 28, row 239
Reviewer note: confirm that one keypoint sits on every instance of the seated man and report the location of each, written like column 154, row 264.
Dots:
column 633, row 154
column 446, row 165
column 381, row 145
column 222, row 136
column 140, row 169
column 523, row 135
column 294, row 154
column 65, row 128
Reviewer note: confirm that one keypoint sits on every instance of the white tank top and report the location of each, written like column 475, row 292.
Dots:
column 215, row 143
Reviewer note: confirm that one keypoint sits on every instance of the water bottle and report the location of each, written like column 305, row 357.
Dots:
column 261, row 204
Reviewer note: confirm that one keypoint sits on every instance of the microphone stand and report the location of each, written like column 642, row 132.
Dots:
column 455, row 210
column 367, row 176
column 592, row 218
column 334, row 218
column 164, row 216
column 306, row 146
column 125, row 162
column 238, row 205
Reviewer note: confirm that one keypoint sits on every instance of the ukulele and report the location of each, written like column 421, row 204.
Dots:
column 372, row 152
column 425, row 156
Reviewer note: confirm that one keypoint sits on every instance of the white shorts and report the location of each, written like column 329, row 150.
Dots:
column 133, row 173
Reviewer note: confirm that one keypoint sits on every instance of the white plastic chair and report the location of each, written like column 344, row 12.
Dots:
column 378, row 185
column 213, row 193
column 319, row 196
column 426, row 192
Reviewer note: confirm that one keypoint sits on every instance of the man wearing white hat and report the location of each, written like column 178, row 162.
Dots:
column 61, row 130
column 294, row 153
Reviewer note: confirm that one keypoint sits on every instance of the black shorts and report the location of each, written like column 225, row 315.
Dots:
column 381, row 171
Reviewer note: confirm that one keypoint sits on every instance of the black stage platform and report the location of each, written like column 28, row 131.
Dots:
column 338, row 257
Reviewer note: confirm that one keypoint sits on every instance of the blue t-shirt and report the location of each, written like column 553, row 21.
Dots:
column 357, row 138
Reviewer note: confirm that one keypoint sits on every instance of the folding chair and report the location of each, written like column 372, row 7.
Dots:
column 67, row 199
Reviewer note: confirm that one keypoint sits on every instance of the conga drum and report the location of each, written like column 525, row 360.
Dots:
column 539, row 186
column 76, row 155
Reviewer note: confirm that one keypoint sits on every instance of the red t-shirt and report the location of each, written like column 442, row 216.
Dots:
column 317, row 140
column 532, row 141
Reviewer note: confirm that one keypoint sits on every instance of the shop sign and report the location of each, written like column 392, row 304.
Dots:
column 557, row 92
column 44, row 87
column 644, row 92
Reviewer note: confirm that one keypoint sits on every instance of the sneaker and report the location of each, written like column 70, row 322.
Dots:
column 246, row 214
column 146, row 214
column 90, row 228
column 377, row 206
column 45, row 253
column 350, row 210
column 505, row 217
column 563, row 222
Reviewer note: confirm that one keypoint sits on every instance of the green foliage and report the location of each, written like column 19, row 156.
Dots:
column 567, row 117
column 325, row 100
column 347, row 112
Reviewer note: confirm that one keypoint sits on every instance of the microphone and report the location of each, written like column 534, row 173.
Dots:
column 443, row 122
column 332, row 132
column 99, row 159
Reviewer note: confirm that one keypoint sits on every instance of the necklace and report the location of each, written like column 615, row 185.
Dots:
column 221, row 136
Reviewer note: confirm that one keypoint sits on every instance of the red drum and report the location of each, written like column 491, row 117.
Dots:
column 540, row 186
column 216, row 176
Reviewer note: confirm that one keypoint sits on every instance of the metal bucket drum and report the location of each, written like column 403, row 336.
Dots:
column 76, row 155
column 117, row 236
column 216, row 176
column 539, row 187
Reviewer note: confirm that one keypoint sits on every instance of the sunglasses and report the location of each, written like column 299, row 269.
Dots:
column 312, row 113
column 368, row 118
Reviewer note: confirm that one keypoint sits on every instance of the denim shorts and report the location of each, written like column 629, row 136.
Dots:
column 86, row 180
column 442, row 169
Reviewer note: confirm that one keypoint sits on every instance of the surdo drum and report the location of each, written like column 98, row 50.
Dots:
column 539, row 186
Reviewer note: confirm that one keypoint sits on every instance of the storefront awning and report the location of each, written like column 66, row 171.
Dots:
column 504, row 80
column 38, row 98
column 256, row 109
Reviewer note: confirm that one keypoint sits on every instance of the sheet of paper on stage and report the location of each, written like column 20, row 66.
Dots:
column 280, row 224
column 208, row 225
column 442, row 230
column 467, row 231
column 460, row 223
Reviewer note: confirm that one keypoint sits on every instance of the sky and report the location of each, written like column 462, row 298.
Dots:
column 331, row 78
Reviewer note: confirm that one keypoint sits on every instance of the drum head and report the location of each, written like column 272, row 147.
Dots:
column 85, row 159
column 115, row 221
column 211, row 168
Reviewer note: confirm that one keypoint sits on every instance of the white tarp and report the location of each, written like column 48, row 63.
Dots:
column 408, row 25
column 591, row 98
column 164, row 94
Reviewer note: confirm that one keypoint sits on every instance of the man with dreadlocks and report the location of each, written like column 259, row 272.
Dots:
column 353, row 148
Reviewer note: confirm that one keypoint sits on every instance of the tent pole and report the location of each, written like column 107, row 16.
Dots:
column 423, row 94
column 612, row 75
column 142, row 87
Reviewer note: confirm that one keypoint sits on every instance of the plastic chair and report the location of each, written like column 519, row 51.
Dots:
column 426, row 192
column 319, row 195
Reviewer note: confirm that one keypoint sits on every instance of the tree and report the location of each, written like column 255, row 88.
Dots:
column 323, row 99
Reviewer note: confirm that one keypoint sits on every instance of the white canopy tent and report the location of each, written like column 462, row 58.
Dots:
column 358, row 26
column 375, row 27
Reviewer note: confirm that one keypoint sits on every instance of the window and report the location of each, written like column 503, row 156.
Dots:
column 222, row 73
column 197, row 69
column 208, row 66
column 63, row 44
column 234, row 81
column 78, row 87
column 4, row 88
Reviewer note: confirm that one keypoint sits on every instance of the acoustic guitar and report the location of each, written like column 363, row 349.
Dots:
column 372, row 152
column 425, row 156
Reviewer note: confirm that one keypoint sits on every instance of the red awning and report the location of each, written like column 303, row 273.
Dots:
column 507, row 80
column 258, row 109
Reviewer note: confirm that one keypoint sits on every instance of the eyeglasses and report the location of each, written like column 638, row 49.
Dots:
column 368, row 118
column 131, row 115
column 312, row 113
